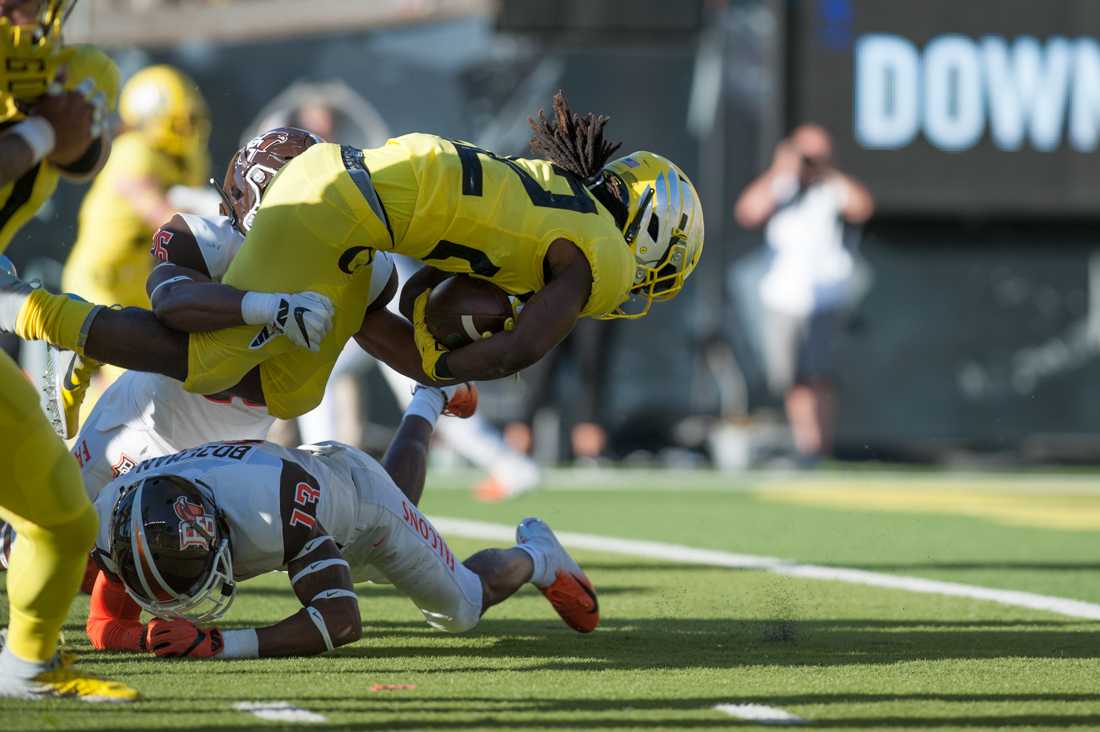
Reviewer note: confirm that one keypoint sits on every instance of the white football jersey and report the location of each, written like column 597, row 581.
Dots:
column 145, row 415
column 271, row 498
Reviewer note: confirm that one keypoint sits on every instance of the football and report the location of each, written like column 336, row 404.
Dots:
column 462, row 309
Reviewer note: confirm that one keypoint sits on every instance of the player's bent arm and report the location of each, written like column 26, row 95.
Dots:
column 90, row 163
column 17, row 155
column 545, row 320
column 186, row 300
column 329, row 617
column 114, row 619
column 389, row 338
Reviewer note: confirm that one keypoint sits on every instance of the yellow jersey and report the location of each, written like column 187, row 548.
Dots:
column 21, row 199
column 463, row 209
column 110, row 260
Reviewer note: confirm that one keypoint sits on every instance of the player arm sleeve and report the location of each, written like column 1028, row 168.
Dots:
column 329, row 617
column 114, row 620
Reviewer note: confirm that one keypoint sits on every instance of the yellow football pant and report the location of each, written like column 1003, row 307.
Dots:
column 43, row 498
column 314, row 232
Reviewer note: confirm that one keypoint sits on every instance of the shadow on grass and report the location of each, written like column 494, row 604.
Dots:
column 413, row 711
column 624, row 644
column 976, row 565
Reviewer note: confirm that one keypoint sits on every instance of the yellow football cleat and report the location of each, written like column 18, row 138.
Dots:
column 66, row 381
column 62, row 679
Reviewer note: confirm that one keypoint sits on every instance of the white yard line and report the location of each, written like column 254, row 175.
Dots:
column 712, row 558
column 280, row 711
column 760, row 713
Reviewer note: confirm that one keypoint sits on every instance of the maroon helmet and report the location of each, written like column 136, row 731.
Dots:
column 254, row 166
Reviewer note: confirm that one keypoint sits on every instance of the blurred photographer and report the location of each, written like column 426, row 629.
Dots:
column 804, row 204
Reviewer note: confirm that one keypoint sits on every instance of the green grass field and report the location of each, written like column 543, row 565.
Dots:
column 678, row 639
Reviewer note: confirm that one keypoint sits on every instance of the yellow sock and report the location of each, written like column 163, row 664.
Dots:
column 56, row 319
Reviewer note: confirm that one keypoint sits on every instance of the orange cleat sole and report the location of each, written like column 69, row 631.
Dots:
column 574, row 599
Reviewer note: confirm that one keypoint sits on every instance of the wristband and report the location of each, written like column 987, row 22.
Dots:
column 38, row 134
column 240, row 644
column 259, row 308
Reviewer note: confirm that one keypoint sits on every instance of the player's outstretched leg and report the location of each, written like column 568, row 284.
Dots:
column 539, row 558
column 558, row 576
column 130, row 338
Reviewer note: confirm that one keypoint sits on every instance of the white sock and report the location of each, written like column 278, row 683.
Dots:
column 541, row 566
column 14, row 666
column 427, row 403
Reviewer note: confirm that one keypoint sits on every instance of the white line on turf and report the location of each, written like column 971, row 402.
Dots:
column 712, row 558
column 760, row 713
column 279, row 711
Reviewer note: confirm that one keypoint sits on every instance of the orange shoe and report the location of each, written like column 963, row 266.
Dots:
column 461, row 400
column 563, row 582
column 491, row 490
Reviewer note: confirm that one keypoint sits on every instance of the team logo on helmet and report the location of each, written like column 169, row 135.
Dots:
column 196, row 527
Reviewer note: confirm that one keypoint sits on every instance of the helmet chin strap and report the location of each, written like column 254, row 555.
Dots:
column 226, row 202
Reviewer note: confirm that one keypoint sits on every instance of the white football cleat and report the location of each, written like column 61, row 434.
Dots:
column 562, row 581
column 64, row 384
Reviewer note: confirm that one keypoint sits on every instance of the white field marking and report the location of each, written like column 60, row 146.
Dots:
column 279, row 711
column 713, row 558
column 760, row 713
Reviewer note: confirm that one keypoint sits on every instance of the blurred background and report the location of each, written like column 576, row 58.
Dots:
column 959, row 323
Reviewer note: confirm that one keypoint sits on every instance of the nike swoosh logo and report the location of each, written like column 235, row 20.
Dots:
column 69, row 385
column 298, row 313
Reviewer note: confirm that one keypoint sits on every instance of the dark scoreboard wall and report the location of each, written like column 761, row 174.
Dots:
column 944, row 106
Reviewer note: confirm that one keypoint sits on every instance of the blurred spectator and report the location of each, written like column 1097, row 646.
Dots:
column 803, row 202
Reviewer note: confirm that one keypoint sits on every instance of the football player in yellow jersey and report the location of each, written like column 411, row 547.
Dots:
column 52, row 103
column 166, row 127
column 576, row 235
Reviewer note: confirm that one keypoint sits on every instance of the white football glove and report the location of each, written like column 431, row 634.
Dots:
column 304, row 317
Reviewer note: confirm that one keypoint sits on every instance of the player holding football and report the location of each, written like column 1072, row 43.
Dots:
column 53, row 102
column 179, row 532
column 575, row 235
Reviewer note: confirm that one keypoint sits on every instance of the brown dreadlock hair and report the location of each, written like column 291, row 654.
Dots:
column 571, row 141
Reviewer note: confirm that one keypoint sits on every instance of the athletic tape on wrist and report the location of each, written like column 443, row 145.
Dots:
column 319, row 621
column 38, row 134
column 240, row 644
column 259, row 308
column 318, row 566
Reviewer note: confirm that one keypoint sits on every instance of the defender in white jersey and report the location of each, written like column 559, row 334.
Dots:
column 144, row 415
column 177, row 533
